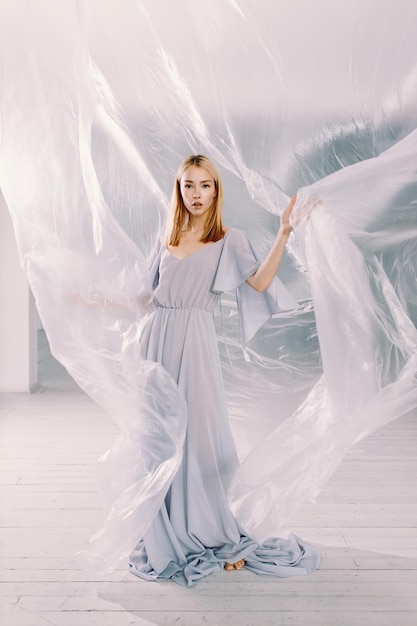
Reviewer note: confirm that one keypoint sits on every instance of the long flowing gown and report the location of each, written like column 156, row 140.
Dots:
column 90, row 141
column 194, row 532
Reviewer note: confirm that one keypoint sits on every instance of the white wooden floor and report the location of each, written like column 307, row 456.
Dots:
column 365, row 523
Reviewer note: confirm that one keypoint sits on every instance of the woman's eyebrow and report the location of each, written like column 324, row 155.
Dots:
column 201, row 181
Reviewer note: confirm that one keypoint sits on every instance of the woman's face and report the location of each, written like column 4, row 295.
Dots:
column 198, row 190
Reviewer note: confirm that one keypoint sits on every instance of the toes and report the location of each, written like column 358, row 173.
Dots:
column 231, row 566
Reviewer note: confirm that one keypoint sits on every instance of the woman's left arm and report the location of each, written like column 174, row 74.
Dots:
column 265, row 273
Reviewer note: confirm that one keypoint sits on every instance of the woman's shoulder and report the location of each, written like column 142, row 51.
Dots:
column 233, row 230
column 234, row 234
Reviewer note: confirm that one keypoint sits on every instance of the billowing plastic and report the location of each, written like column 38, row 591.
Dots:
column 100, row 103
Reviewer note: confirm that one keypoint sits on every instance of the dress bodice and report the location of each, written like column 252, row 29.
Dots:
column 187, row 283
column 197, row 281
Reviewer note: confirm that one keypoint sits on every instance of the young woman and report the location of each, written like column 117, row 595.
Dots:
column 194, row 532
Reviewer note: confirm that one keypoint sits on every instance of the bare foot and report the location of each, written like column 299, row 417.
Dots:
column 231, row 566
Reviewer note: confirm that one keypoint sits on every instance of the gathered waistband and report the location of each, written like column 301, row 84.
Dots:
column 158, row 305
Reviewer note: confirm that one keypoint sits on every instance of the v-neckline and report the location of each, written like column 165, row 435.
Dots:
column 210, row 245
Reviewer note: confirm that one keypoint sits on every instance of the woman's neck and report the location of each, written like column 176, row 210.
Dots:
column 196, row 224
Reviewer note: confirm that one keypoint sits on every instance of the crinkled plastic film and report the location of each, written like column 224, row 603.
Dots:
column 100, row 103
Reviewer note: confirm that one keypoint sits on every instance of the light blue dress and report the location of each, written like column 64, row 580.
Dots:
column 194, row 532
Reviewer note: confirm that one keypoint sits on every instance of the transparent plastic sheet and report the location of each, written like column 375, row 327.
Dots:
column 99, row 106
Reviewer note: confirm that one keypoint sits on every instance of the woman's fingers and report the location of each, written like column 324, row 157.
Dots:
column 302, row 212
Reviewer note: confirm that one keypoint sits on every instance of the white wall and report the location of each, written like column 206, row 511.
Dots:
column 18, row 319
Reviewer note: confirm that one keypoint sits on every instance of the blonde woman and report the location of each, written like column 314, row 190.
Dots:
column 194, row 532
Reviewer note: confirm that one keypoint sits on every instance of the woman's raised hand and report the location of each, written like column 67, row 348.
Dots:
column 286, row 225
column 302, row 209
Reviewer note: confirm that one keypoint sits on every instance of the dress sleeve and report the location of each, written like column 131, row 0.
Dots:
column 153, row 263
column 237, row 262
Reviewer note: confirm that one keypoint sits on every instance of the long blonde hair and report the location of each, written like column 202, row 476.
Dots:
column 178, row 214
